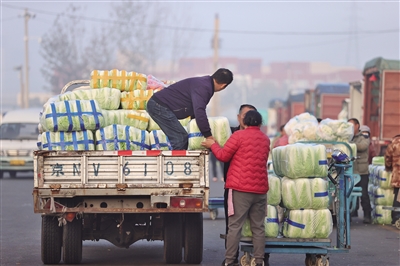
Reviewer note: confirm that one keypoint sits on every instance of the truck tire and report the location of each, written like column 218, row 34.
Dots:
column 72, row 242
column 51, row 240
column 193, row 235
column 173, row 238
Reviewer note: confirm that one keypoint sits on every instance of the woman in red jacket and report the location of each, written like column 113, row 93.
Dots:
column 247, row 181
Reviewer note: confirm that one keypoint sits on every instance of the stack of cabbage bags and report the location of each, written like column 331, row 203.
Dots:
column 305, row 127
column 303, row 168
column 380, row 191
column 219, row 127
column 271, row 223
column 122, row 137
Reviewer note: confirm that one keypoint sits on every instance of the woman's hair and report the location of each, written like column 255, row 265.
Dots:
column 252, row 118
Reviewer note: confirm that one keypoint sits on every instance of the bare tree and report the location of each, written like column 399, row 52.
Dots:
column 133, row 37
column 62, row 50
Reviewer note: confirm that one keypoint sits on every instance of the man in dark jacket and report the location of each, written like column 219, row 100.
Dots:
column 360, row 166
column 188, row 97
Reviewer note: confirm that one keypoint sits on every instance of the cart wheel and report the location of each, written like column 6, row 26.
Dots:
column 321, row 261
column 214, row 214
column 245, row 259
column 397, row 224
column 253, row 262
column 308, row 260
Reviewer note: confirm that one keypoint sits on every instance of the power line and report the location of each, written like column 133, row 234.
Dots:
column 281, row 33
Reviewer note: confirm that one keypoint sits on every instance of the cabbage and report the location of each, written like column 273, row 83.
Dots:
column 121, row 137
column 271, row 224
column 382, row 216
column 137, row 119
column 378, row 160
column 345, row 149
column 75, row 115
column 136, row 100
column 220, row 130
column 300, row 160
column 324, row 132
column 119, row 79
column 154, row 126
column 371, row 188
column 335, row 130
column 107, row 98
column 305, row 193
column 383, row 196
column 308, row 224
column 298, row 119
column 67, row 141
column 384, row 178
column 296, row 194
column 274, row 191
column 319, row 190
column 159, row 141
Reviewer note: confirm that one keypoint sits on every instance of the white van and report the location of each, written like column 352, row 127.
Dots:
column 18, row 139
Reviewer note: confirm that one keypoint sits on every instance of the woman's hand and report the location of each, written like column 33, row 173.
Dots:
column 208, row 143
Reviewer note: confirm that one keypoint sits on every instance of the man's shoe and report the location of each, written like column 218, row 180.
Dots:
column 367, row 220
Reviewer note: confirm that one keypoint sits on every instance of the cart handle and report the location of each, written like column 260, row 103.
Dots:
column 74, row 82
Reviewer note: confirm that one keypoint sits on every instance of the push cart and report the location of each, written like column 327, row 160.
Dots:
column 316, row 250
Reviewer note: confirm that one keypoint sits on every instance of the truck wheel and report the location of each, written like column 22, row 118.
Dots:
column 1, row 174
column 193, row 238
column 173, row 238
column 72, row 242
column 51, row 240
column 13, row 174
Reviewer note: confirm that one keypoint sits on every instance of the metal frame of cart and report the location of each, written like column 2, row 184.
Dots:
column 316, row 250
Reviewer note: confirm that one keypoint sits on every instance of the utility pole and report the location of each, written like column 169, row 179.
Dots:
column 21, row 80
column 215, row 44
column 25, row 93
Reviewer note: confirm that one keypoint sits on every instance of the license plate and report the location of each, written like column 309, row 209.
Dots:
column 17, row 162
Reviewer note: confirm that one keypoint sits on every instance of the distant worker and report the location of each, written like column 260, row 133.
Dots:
column 392, row 163
column 283, row 140
column 188, row 97
column 371, row 150
column 360, row 166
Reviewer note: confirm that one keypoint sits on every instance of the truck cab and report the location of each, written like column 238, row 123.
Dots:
column 18, row 136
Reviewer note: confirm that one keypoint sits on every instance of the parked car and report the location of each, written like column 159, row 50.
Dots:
column 18, row 136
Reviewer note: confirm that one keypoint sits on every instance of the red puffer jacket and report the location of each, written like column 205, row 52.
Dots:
column 247, row 150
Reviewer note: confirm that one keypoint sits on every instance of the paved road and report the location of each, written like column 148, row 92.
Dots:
column 20, row 238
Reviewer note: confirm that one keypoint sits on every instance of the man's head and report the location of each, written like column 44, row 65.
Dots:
column 356, row 125
column 244, row 108
column 222, row 78
column 365, row 130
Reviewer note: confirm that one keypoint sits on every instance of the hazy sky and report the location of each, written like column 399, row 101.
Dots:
column 305, row 31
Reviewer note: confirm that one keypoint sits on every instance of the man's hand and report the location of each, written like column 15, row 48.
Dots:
column 208, row 142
